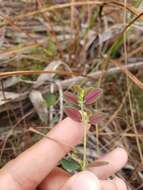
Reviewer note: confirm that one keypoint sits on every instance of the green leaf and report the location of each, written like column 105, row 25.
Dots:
column 50, row 99
column 70, row 165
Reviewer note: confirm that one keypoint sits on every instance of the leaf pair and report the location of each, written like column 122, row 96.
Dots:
column 85, row 96
column 89, row 98
column 74, row 114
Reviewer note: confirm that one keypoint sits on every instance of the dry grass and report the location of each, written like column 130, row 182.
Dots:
column 99, row 44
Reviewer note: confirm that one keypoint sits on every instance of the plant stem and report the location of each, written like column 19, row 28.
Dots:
column 85, row 138
column 84, row 148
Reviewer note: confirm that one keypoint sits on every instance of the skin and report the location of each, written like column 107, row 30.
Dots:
column 35, row 169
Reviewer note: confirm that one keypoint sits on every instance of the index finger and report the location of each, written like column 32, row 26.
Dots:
column 32, row 166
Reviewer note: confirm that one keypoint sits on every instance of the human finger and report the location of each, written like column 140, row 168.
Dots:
column 32, row 166
column 88, row 181
column 116, row 160
column 102, row 172
column 55, row 180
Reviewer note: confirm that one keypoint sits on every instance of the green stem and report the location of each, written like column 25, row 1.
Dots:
column 84, row 149
column 85, row 138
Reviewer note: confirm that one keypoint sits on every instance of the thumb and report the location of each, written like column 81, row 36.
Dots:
column 82, row 181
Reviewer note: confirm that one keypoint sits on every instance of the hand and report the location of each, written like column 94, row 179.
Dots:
column 36, row 167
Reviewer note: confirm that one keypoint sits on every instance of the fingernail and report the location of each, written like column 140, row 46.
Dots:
column 84, row 181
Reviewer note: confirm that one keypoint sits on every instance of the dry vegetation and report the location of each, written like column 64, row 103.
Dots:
column 47, row 47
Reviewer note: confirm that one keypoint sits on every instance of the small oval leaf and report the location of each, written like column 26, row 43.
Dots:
column 94, row 119
column 50, row 99
column 73, row 114
column 92, row 96
column 70, row 97
column 70, row 165
column 98, row 164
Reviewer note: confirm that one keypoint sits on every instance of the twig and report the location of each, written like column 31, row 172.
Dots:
column 122, row 134
column 70, row 82
column 46, row 136
column 97, row 74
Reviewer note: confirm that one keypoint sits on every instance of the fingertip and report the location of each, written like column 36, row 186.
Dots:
column 116, row 159
column 71, row 123
column 114, row 184
column 123, row 154
column 68, row 127
column 83, row 181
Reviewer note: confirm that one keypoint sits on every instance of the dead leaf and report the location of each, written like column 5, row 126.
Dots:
column 39, row 105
